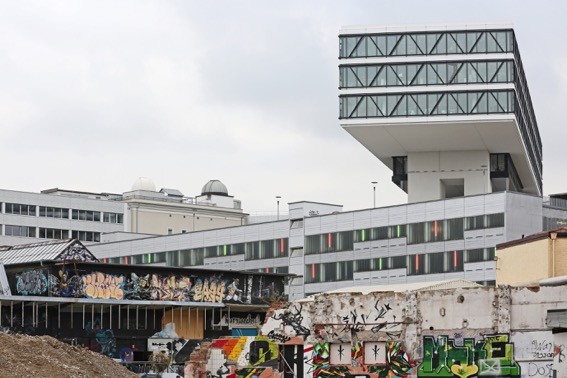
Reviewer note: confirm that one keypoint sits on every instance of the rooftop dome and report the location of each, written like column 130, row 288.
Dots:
column 214, row 187
column 144, row 183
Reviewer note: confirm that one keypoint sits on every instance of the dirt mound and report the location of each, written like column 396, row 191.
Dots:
column 44, row 356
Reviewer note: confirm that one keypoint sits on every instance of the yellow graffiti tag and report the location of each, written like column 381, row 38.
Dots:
column 102, row 286
column 213, row 291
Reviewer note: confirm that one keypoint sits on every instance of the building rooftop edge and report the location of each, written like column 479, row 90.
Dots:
column 55, row 190
column 561, row 233
column 317, row 202
column 373, row 29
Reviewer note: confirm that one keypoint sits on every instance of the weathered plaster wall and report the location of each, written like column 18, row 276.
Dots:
column 446, row 333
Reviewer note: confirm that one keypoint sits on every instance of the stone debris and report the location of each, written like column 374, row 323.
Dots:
column 44, row 356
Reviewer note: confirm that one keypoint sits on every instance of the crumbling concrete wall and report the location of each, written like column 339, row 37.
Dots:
column 534, row 343
column 454, row 332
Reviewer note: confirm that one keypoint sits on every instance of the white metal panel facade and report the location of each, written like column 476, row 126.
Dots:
column 351, row 221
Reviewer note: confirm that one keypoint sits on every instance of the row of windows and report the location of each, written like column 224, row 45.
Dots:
column 415, row 233
column 19, row 209
column 49, row 233
column 484, row 221
column 22, row 231
column 90, row 236
column 86, row 215
column 264, row 249
column 435, row 231
column 552, row 223
column 53, row 233
column 53, row 212
column 330, row 242
column 380, row 233
column 275, row 269
column 425, row 104
column 387, row 75
column 112, row 218
column 435, row 43
column 416, row 264
column 63, row 213
column 187, row 257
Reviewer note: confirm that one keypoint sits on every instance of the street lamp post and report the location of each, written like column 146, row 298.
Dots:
column 374, row 190
column 278, row 201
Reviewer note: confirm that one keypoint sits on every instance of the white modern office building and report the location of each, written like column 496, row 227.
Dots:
column 449, row 111
column 27, row 217
column 446, row 108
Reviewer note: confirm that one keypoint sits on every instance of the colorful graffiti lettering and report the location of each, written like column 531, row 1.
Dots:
column 138, row 287
column 77, row 252
column 239, row 357
column 103, row 286
column 358, row 354
column 32, row 282
column 320, row 365
column 104, row 341
column 320, row 358
column 492, row 356
column 398, row 363
column 398, row 360
column 262, row 352
column 234, row 293
column 67, row 282
column 212, row 290
column 330, row 360
column 249, row 351
column 170, row 288
column 66, row 285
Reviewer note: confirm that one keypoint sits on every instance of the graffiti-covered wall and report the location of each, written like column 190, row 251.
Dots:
column 246, row 356
column 475, row 332
column 101, row 281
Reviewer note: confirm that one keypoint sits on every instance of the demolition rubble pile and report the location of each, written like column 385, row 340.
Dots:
column 44, row 356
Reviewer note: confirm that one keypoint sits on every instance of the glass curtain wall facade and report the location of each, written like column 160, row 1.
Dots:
column 441, row 73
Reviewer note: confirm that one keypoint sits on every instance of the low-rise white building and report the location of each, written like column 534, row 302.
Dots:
column 27, row 217
column 326, row 248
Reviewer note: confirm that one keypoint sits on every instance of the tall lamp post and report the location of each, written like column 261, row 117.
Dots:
column 278, row 201
column 374, row 190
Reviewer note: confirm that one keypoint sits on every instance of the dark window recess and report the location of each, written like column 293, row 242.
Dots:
column 400, row 172
column 502, row 167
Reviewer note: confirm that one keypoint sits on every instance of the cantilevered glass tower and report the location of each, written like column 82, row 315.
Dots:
column 447, row 108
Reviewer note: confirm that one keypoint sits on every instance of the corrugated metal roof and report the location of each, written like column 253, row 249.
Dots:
column 49, row 250
column 401, row 288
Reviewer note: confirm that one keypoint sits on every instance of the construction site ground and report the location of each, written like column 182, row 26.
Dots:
column 44, row 356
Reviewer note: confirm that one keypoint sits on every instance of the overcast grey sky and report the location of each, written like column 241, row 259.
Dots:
column 94, row 94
